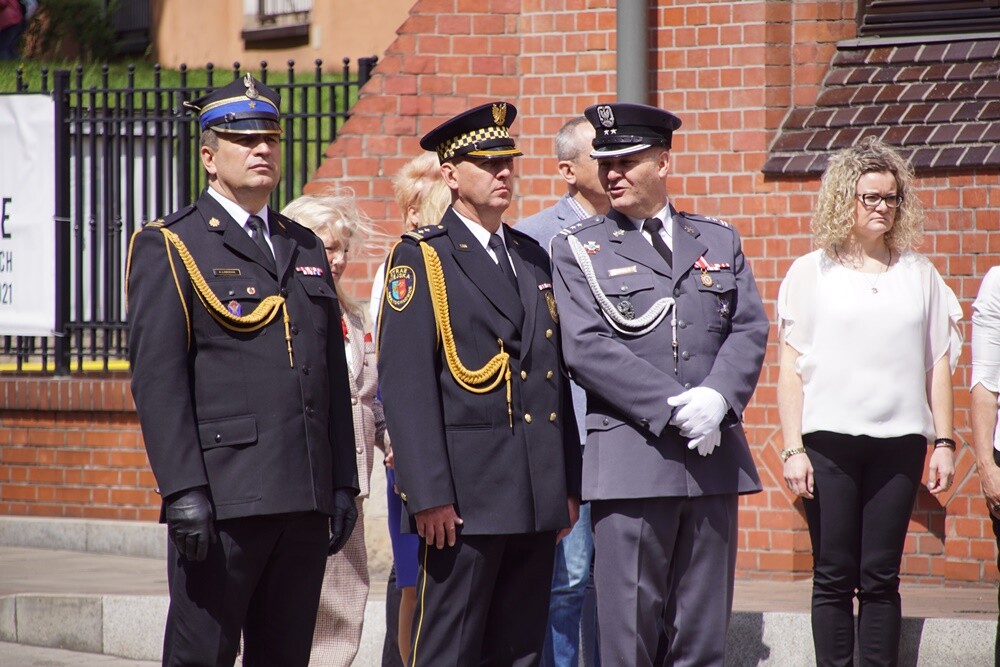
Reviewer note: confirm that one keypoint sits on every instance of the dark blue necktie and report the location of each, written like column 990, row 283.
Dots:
column 497, row 246
column 256, row 227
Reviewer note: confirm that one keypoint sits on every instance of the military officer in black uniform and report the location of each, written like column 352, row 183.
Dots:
column 486, row 448
column 240, row 381
column 664, row 329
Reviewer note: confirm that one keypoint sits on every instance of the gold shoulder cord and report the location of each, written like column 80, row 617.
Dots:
column 497, row 368
column 262, row 315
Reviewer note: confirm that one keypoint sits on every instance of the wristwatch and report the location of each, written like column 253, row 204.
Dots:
column 786, row 454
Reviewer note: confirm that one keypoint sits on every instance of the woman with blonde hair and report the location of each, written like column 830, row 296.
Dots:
column 422, row 197
column 342, row 228
column 868, row 343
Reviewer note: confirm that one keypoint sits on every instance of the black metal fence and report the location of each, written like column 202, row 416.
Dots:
column 127, row 155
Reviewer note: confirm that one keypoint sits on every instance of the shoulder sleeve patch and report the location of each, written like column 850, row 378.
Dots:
column 400, row 282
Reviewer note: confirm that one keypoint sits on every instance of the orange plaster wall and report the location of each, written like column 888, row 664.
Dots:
column 196, row 32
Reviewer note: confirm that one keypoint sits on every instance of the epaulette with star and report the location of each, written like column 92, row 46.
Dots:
column 706, row 218
column 423, row 233
column 172, row 218
column 587, row 223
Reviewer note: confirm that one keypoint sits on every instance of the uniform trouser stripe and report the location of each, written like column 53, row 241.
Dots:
column 420, row 616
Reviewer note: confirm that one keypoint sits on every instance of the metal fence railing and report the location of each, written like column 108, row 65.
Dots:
column 127, row 155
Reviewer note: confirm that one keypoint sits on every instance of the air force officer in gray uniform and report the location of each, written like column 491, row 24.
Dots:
column 664, row 328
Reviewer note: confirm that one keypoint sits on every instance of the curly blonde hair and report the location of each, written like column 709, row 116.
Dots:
column 836, row 215
column 418, row 184
column 338, row 214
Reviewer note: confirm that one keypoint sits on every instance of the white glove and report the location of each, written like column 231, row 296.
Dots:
column 705, row 444
column 701, row 410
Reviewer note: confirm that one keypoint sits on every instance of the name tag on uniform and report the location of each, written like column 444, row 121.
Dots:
column 226, row 272
column 622, row 270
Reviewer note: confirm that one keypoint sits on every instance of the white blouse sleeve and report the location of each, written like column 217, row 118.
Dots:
column 986, row 333
column 796, row 303
column 944, row 312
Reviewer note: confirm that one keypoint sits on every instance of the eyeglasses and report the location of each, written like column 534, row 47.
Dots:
column 872, row 200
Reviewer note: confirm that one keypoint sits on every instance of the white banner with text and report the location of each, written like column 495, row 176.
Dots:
column 27, row 212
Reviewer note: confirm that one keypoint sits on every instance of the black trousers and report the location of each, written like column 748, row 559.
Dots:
column 262, row 576
column 864, row 493
column 390, row 646
column 483, row 602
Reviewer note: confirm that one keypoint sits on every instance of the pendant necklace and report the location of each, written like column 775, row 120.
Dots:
column 874, row 284
column 874, row 287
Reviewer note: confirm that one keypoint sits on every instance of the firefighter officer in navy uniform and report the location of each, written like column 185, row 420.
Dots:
column 240, row 382
column 476, row 399
column 664, row 328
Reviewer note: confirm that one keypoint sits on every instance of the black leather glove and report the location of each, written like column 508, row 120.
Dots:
column 345, row 514
column 189, row 522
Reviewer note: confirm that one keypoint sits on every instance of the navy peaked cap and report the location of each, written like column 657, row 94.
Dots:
column 245, row 106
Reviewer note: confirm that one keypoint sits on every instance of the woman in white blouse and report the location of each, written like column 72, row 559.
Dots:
column 868, row 335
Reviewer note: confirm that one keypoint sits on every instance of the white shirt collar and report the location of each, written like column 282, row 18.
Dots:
column 238, row 213
column 481, row 233
column 663, row 214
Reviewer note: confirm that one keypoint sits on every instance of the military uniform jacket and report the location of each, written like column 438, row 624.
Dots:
column 453, row 446
column 227, row 409
column 721, row 332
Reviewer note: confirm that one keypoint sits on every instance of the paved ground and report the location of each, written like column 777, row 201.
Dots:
column 21, row 655
column 121, row 600
column 31, row 570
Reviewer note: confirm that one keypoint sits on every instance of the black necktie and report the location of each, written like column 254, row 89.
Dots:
column 256, row 227
column 653, row 226
column 496, row 245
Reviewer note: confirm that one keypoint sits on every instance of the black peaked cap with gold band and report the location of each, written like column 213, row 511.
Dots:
column 622, row 128
column 245, row 106
column 482, row 132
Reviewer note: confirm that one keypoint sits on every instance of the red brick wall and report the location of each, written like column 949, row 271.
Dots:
column 72, row 448
column 732, row 71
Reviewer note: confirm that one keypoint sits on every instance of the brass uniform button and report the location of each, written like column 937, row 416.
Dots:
column 552, row 417
column 548, row 375
column 527, row 417
column 524, row 375
column 402, row 496
column 548, row 333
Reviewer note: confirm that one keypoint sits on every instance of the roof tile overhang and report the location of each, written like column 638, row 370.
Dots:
column 939, row 103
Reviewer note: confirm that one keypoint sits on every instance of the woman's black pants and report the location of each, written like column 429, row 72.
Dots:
column 864, row 493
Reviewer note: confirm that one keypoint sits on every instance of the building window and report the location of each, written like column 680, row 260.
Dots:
column 276, row 23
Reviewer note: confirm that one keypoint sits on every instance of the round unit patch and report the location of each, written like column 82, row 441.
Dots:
column 399, row 286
